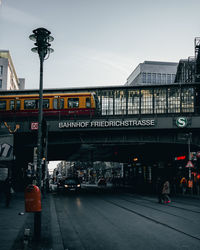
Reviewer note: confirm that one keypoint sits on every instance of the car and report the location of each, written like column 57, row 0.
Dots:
column 101, row 182
column 69, row 183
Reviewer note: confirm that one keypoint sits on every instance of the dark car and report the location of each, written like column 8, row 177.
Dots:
column 69, row 183
column 101, row 182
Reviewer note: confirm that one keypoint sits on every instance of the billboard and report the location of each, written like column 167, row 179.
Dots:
column 6, row 147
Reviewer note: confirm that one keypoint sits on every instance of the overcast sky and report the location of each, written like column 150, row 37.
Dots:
column 97, row 42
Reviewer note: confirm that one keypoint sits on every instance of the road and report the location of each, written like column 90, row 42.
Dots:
column 98, row 219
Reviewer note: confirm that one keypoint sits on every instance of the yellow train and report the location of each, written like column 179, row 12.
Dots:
column 68, row 104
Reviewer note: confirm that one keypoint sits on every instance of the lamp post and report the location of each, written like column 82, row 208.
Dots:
column 42, row 39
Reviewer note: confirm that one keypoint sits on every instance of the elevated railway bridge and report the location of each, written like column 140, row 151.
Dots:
column 151, row 123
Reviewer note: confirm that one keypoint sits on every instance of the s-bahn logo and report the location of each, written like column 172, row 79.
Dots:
column 181, row 122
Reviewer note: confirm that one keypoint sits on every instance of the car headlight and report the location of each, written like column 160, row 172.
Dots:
column 66, row 186
column 78, row 185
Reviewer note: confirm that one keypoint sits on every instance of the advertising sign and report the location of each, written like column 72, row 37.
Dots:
column 6, row 147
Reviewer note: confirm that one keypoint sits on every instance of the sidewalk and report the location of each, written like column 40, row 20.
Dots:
column 10, row 221
column 12, row 226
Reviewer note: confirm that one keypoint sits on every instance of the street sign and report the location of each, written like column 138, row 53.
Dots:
column 189, row 165
column 34, row 125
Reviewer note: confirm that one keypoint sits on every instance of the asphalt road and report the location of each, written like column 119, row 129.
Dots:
column 95, row 219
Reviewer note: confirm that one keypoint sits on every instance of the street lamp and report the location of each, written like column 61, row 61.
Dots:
column 42, row 39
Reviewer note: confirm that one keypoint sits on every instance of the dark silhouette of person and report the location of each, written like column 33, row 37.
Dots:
column 7, row 191
column 159, row 189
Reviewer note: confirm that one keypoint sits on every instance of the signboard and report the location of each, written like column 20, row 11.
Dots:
column 34, row 125
column 189, row 165
column 181, row 122
column 6, row 147
column 107, row 124
column 3, row 174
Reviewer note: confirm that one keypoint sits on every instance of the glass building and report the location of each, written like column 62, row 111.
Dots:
column 153, row 73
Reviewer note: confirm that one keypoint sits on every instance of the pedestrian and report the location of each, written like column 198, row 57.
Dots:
column 159, row 186
column 166, row 192
column 183, row 184
column 7, row 191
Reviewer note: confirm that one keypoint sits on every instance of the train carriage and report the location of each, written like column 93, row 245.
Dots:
column 54, row 105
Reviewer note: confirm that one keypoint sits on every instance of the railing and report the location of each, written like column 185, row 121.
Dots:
column 136, row 101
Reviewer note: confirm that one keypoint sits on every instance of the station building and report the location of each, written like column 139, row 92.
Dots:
column 8, row 76
column 153, row 73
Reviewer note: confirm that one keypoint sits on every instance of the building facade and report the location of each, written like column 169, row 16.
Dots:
column 153, row 73
column 8, row 76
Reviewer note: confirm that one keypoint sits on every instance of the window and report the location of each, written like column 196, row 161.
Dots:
column 61, row 103
column 163, row 78
column 18, row 104
column 73, row 102
column 12, row 105
column 107, row 102
column 144, row 78
column 146, row 101
column 169, row 78
column 159, row 78
column 134, row 101
column 88, row 102
column 2, row 105
column 120, row 102
column 1, row 70
column 45, row 103
column 160, row 101
column 55, row 103
column 30, row 104
column 154, row 78
column 0, row 83
column 149, row 78
column 173, row 78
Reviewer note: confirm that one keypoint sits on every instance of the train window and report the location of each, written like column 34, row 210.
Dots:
column 18, row 104
column 45, row 103
column 73, row 102
column 61, row 103
column 2, row 105
column 88, row 102
column 55, row 103
column 30, row 104
column 12, row 105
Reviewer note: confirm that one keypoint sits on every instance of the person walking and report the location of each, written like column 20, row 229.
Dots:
column 159, row 187
column 183, row 184
column 166, row 192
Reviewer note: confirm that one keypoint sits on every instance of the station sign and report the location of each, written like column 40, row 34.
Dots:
column 34, row 125
column 181, row 122
column 108, row 124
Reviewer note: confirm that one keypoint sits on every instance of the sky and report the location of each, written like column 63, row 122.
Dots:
column 97, row 42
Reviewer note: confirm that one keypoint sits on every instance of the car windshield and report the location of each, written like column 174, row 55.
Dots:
column 70, row 181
